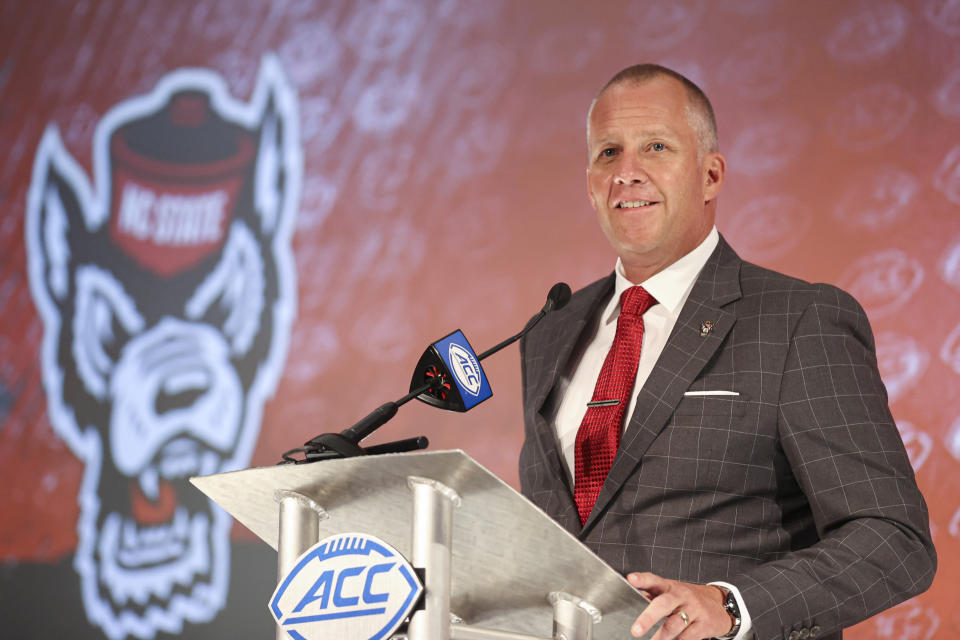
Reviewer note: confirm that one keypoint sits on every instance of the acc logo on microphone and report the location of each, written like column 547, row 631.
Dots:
column 349, row 585
column 466, row 368
column 458, row 356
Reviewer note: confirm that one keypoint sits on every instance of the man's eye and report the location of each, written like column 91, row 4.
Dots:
column 658, row 146
column 608, row 153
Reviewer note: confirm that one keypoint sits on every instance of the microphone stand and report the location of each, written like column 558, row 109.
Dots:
column 346, row 443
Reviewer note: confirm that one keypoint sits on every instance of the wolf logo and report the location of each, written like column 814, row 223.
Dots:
column 167, row 291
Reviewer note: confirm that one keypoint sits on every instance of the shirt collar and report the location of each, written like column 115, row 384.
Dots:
column 670, row 286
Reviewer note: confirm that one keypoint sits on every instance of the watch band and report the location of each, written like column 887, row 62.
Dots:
column 733, row 610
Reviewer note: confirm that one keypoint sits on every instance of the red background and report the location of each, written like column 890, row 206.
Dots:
column 444, row 188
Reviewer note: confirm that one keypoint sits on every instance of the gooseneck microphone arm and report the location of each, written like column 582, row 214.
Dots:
column 558, row 297
column 379, row 416
column 346, row 443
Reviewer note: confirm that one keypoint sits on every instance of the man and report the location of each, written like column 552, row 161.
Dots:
column 729, row 426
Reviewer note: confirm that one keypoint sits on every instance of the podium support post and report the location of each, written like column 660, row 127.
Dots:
column 432, row 535
column 299, row 523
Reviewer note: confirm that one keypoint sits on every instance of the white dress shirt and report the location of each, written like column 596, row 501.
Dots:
column 670, row 287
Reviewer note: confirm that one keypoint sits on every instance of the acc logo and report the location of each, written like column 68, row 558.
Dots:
column 350, row 585
column 947, row 178
column 883, row 281
column 769, row 227
column 902, row 361
column 769, row 145
column 950, row 349
column 869, row 33
column 870, row 117
column 918, row 443
column 466, row 368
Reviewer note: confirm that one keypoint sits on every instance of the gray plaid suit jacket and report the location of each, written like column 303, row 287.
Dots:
column 798, row 490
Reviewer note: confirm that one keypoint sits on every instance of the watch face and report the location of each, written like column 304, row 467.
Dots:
column 730, row 604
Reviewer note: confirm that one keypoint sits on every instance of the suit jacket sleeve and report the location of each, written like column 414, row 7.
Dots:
column 845, row 452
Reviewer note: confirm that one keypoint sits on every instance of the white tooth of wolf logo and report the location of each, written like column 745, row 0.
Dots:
column 167, row 297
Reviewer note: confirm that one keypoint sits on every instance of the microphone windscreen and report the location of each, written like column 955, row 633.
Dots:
column 558, row 297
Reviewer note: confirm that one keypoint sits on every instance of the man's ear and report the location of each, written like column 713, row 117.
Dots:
column 715, row 168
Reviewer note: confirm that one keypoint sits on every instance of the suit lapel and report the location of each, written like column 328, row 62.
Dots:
column 553, row 344
column 683, row 358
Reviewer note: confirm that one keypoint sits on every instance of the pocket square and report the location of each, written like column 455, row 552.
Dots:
column 711, row 393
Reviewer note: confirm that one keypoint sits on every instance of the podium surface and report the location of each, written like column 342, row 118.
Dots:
column 507, row 554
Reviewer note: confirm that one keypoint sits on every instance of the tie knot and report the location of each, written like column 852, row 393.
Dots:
column 635, row 301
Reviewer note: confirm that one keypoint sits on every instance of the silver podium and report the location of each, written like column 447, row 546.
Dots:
column 497, row 567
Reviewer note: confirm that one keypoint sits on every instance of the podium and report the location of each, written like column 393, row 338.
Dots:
column 496, row 565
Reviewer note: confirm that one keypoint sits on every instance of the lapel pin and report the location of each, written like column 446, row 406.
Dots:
column 705, row 328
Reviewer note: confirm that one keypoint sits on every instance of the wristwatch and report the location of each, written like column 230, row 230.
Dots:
column 733, row 609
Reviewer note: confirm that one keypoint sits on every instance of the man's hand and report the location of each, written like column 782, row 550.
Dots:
column 671, row 600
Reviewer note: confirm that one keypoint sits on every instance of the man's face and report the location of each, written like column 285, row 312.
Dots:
column 653, row 192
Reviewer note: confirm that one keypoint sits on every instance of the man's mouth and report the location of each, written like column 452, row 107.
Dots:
column 634, row 204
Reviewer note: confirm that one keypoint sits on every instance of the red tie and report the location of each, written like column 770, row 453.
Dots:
column 599, row 435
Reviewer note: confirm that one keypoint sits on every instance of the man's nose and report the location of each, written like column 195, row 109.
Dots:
column 630, row 171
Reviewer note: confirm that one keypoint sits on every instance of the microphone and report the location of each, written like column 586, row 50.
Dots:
column 452, row 360
column 558, row 298
column 448, row 376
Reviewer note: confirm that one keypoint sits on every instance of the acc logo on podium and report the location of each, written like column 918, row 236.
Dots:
column 351, row 586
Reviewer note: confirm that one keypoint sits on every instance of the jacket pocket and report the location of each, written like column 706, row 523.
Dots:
column 728, row 406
